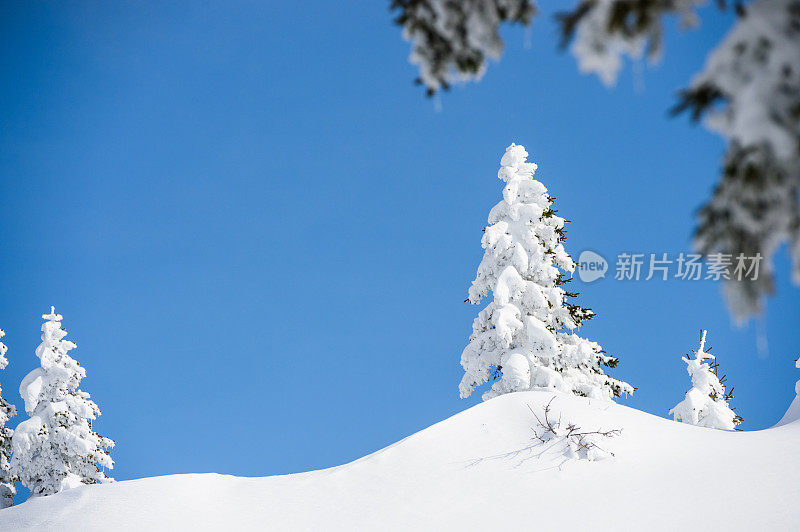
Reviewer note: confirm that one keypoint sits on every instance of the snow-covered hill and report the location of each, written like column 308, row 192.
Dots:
column 480, row 469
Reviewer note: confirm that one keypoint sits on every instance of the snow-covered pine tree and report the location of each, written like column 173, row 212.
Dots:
column 56, row 448
column 706, row 404
column 523, row 338
column 7, row 411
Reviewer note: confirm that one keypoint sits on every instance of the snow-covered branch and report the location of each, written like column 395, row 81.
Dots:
column 451, row 40
column 749, row 92
column 577, row 442
column 603, row 32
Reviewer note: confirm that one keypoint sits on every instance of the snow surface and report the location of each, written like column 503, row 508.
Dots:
column 472, row 471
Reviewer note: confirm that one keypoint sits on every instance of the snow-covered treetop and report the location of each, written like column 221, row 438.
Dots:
column 706, row 403
column 520, row 224
column 54, row 351
column 698, row 370
column 521, row 337
column 52, row 316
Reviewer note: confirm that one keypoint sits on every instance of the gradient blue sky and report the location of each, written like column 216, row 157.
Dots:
column 261, row 233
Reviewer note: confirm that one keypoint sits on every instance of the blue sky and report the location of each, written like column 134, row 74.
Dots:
column 260, row 233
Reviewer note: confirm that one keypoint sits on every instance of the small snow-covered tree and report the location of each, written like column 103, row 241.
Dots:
column 523, row 338
column 706, row 404
column 56, row 448
column 7, row 411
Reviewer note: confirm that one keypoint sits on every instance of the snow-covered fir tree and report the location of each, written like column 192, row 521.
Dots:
column 7, row 411
column 523, row 338
column 56, row 448
column 706, row 403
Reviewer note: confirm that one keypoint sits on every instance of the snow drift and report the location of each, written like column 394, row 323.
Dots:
column 481, row 468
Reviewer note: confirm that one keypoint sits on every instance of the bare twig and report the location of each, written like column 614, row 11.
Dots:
column 551, row 437
column 575, row 438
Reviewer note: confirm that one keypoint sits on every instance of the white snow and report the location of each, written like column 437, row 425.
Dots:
column 31, row 387
column 472, row 472
column 792, row 414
